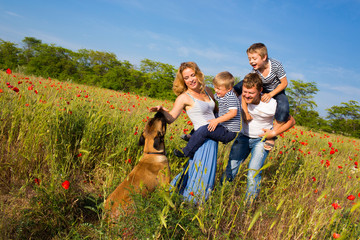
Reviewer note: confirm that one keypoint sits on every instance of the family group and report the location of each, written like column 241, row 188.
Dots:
column 253, row 112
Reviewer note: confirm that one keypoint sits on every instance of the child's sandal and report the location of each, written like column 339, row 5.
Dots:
column 268, row 146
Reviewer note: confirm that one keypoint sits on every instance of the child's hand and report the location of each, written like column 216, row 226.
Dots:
column 248, row 117
column 265, row 97
column 212, row 125
column 245, row 113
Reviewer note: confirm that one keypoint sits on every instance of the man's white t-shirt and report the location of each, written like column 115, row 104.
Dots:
column 263, row 117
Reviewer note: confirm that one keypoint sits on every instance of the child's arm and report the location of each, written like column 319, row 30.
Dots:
column 245, row 113
column 227, row 116
column 267, row 96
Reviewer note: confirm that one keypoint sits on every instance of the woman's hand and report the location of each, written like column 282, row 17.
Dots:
column 158, row 109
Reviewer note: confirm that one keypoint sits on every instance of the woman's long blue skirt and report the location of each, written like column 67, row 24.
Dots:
column 197, row 179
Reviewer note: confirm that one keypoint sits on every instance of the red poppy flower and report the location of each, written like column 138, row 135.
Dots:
column 192, row 193
column 15, row 89
column 8, row 71
column 335, row 206
column 359, row 194
column 314, row 179
column 351, row 197
column 66, row 184
column 327, row 163
column 1, row 90
column 336, row 235
column 332, row 152
column 79, row 155
column 37, row 181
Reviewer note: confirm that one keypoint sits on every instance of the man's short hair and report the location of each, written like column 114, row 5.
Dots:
column 253, row 80
column 225, row 79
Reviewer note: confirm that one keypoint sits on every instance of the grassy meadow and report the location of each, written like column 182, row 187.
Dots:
column 64, row 147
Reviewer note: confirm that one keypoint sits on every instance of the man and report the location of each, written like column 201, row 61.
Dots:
column 250, row 139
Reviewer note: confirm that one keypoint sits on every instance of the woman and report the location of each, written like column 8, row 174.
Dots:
column 198, row 177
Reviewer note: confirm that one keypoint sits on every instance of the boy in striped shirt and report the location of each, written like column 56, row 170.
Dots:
column 274, row 80
column 225, row 127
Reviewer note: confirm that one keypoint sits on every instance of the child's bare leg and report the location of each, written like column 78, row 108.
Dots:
column 269, row 143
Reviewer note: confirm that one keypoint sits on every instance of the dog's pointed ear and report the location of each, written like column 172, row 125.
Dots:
column 142, row 139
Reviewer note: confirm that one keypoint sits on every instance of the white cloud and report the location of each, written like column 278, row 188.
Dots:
column 295, row 76
column 13, row 14
column 348, row 91
column 54, row 40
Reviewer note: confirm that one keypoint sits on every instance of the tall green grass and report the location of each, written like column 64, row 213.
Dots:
column 52, row 131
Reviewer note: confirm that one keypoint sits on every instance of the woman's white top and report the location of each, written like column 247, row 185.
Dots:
column 201, row 112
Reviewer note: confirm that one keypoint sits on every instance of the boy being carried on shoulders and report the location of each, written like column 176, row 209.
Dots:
column 274, row 80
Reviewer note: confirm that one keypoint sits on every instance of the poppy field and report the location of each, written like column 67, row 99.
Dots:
column 64, row 147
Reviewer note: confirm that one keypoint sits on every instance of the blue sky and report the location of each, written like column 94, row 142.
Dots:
column 316, row 41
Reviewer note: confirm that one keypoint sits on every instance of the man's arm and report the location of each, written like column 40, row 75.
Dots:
column 273, row 133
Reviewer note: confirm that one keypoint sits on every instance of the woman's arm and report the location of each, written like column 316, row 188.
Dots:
column 174, row 113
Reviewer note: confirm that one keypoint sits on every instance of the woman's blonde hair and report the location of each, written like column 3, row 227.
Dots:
column 179, row 85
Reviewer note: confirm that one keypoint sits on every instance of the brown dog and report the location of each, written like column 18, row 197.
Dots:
column 153, row 169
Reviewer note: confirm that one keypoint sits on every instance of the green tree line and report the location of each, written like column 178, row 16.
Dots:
column 154, row 79
column 102, row 69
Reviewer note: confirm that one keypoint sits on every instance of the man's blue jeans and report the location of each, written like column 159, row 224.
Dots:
column 240, row 150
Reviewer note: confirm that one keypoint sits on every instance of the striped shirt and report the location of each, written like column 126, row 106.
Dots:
column 272, row 80
column 229, row 101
